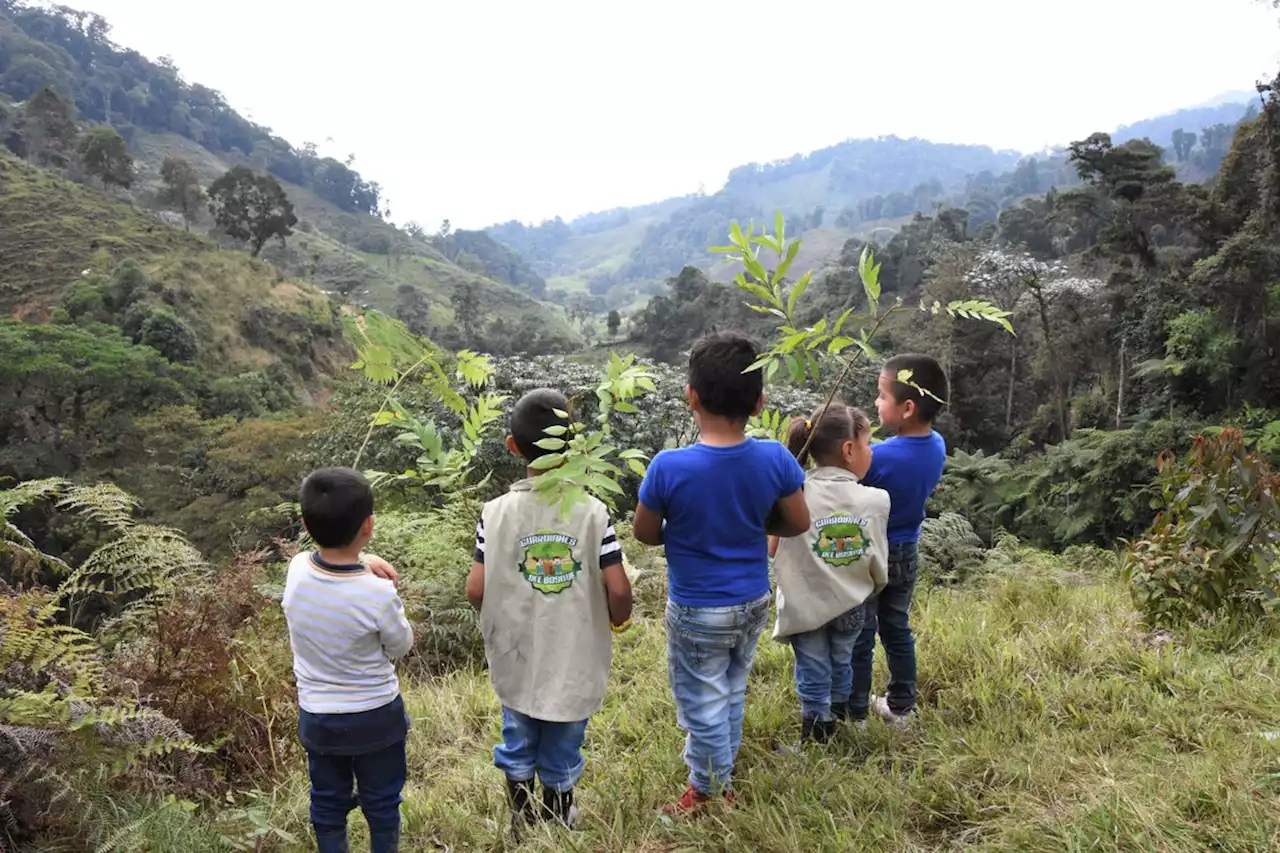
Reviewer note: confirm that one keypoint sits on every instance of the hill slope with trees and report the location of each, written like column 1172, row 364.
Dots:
column 860, row 187
column 340, row 238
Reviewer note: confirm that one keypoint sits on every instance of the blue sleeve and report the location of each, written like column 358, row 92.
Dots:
column 883, row 457
column 653, row 488
column 791, row 475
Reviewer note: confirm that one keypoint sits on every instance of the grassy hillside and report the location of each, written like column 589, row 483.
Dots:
column 246, row 313
column 355, row 255
column 1050, row 721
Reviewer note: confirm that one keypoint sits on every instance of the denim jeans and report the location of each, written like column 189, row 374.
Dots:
column 551, row 750
column 889, row 614
column 356, row 758
column 824, row 663
column 710, row 650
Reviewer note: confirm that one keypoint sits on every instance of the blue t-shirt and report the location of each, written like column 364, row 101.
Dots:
column 715, row 501
column 908, row 468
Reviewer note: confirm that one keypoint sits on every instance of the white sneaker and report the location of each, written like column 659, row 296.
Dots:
column 884, row 712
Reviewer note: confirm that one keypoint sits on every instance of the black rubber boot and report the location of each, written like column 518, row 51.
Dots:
column 524, row 809
column 841, row 710
column 818, row 731
column 558, row 806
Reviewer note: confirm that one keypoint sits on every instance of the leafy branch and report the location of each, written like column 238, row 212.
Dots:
column 582, row 460
column 803, row 349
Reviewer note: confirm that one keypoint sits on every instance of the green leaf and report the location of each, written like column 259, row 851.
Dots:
column 637, row 466
column 546, row 463
column 556, row 430
column 840, row 323
column 761, row 292
column 839, row 345
column 800, row 286
column 550, row 444
column 561, row 413
column 869, row 272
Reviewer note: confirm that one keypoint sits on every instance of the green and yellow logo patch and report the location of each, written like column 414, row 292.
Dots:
column 842, row 539
column 549, row 565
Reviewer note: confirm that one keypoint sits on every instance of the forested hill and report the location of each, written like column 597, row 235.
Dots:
column 437, row 282
column 859, row 187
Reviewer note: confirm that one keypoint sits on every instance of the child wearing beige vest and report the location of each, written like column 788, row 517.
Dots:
column 551, row 592
column 826, row 575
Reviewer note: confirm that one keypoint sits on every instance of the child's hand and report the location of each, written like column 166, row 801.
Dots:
column 381, row 568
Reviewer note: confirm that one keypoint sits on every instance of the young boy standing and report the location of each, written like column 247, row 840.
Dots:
column 550, row 592
column 346, row 625
column 908, row 466
column 709, row 504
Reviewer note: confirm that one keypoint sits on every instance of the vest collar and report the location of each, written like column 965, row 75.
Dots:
column 831, row 473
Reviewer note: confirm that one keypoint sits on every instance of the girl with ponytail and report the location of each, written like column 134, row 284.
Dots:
column 826, row 575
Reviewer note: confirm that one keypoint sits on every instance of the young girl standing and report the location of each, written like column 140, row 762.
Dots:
column 825, row 575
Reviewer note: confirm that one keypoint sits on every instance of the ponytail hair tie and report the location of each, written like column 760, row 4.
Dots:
column 808, row 424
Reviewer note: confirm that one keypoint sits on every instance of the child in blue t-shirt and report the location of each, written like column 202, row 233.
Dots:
column 908, row 467
column 709, row 504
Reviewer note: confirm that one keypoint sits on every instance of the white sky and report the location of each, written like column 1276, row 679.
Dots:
column 488, row 110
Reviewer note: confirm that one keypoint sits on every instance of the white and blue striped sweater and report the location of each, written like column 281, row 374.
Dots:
column 346, row 626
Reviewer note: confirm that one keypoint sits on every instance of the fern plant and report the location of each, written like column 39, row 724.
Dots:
column 53, row 676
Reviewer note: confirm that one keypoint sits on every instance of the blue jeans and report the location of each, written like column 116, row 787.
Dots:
column 349, row 753
column 889, row 614
column 824, row 663
column 709, row 653
column 551, row 750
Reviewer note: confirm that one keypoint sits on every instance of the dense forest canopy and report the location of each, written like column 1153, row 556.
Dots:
column 1137, row 296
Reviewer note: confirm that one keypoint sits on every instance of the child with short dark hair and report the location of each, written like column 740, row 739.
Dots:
column 826, row 575
column 709, row 504
column 346, row 626
column 551, row 592
column 912, row 391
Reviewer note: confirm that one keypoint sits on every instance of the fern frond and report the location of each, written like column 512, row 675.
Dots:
column 32, row 491
column 104, row 503
column 144, row 558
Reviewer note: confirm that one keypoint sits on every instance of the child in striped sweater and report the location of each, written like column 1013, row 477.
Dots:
column 346, row 626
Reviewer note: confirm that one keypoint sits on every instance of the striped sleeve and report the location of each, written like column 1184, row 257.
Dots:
column 479, row 557
column 610, row 548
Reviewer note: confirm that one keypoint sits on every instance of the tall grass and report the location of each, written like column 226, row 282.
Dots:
column 1049, row 721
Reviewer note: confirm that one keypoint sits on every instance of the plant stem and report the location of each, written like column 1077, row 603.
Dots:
column 848, row 365
column 390, row 395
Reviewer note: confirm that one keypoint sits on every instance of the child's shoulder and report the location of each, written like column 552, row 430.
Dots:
column 872, row 499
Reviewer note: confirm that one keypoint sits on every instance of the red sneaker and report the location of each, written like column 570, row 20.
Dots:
column 692, row 802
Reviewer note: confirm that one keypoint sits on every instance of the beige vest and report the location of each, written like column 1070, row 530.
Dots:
column 545, row 617
column 842, row 559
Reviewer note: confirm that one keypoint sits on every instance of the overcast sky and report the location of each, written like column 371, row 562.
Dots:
column 488, row 110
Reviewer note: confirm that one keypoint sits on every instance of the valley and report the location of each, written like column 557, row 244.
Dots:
column 198, row 312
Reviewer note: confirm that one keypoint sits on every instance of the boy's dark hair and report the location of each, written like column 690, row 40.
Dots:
column 925, row 372
column 530, row 418
column 830, row 429
column 335, row 502
column 716, row 366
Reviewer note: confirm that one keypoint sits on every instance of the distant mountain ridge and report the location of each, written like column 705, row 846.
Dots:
column 856, row 186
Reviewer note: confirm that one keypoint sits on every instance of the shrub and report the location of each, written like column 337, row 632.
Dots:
column 169, row 336
column 433, row 553
column 1213, row 549
column 209, row 665
column 950, row 551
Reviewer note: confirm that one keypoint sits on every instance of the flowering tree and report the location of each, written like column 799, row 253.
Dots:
column 1020, row 281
